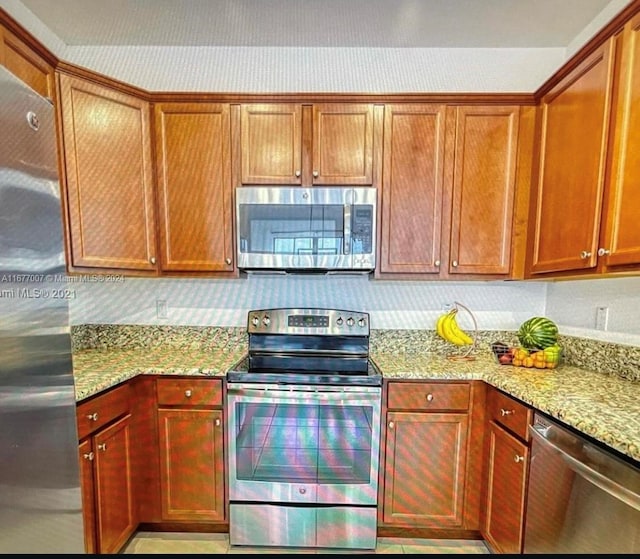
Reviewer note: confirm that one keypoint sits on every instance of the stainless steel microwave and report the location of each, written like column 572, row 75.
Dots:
column 306, row 229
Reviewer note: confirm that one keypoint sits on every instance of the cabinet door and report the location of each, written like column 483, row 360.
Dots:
column 482, row 189
column 194, row 186
column 573, row 142
column 87, row 458
column 271, row 144
column 412, row 188
column 114, row 490
column 425, row 469
column 109, row 184
column 26, row 64
column 621, row 239
column 191, row 464
column 342, row 144
column 505, row 489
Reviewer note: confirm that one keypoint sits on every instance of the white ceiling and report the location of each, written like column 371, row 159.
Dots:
column 318, row 23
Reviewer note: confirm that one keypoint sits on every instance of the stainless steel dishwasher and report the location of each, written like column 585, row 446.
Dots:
column 582, row 498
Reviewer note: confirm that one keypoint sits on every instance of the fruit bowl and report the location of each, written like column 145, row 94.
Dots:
column 531, row 358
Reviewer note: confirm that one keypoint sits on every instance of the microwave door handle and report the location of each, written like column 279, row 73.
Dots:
column 347, row 229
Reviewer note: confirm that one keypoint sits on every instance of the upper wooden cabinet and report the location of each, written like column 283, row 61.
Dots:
column 584, row 210
column 193, row 162
column 450, row 206
column 412, row 189
column 481, row 191
column 620, row 234
column 574, row 126
column 294, row 144
column 25, row 63
column 109, row 177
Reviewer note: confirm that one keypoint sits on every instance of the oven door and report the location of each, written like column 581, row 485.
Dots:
column 303, row 444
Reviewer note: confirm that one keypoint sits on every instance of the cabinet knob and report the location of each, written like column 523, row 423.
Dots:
column 298, row 173
column 152, row 260
column 187, row 393
column 391, row 425
column 603, row 252
column 316, row 174
column 504, row 412
column 517, row 458
column 217, row 422
column 437, row 262
column 454, row 263
column 102, row 447
column 227, row 261
column 88, row 456
column 585, row 254
column 429, row 397
column 92, row 416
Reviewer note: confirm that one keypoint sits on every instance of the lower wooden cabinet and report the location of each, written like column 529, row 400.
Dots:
column 191, row 437
column 108, row 497
column 506, row 464
column 426, row 478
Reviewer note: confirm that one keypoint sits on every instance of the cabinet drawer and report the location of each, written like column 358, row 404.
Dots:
column 189, row 392
column 429, row 396
column 510, row 413
column 104, row 408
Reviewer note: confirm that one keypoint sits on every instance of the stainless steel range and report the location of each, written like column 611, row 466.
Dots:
column 304, row 431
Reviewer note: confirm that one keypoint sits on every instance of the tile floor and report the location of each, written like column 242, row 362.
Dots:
column 180, row 542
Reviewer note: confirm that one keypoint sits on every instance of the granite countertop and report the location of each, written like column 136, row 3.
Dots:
column 606, row 407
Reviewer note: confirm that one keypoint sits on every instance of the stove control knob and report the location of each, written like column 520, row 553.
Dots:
column 362, row 323
column 255, row 321
column 339, row 322
column 266, row 320
column 350, row 321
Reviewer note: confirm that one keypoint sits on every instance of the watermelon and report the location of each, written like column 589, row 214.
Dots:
column 538, row 332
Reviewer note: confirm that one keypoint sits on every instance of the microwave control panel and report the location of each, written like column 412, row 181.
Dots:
column 362, row 230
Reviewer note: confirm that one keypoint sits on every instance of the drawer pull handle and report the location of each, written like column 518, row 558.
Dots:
column 504, row 412
column 92, row 416
column 88, row 456
column 187, row 393
column 102, row 447
column 429, row 397
column 518, row 458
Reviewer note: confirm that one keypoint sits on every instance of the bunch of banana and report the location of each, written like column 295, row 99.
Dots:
column 448, row 329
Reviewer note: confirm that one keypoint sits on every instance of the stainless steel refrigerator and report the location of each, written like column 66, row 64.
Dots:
column 40, row 500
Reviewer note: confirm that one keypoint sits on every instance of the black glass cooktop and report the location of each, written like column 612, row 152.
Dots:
column 301, row 370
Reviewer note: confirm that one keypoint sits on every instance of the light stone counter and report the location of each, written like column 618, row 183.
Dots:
column 96, row 370
column 606, row 407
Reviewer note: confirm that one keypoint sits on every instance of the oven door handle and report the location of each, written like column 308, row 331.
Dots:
column 295, row 392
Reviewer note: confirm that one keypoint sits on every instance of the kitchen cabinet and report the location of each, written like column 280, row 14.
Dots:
column 193, row 162
column 191, row 435
column 105, row 450
column 429, row 459
column 453, row 201
column 26, row 63
column 323, row 144
column 574, row 130
column 412, row 189
column 506, row 472
column 108, row 178
column 620, row 235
